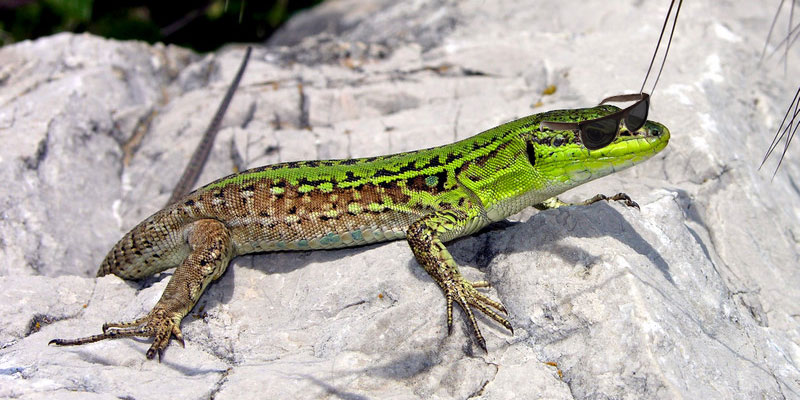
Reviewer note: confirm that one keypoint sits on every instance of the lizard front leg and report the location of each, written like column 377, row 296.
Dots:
column 211, row 251
column 555, row 202
column 424, row 239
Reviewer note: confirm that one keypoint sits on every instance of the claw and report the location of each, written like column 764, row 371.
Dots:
column 179, row 338
column 465, row 294
column 482, row 344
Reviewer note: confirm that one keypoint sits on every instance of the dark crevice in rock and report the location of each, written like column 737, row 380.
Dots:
column 40, row 320
column 29, row 89
column 276, row 122
column 443, row 70
column 38, row 157
column 236, row 158
column 130, row 146
column 332, row 390
column 5, row 346
column 34, row 258
column 251, row 113
column 793, row 184
column 750, row 301
column 692, row 214
column 323, row 49
column 304, row 119
column 208, row 73
column 426, row 24
column 480, row 390
column 572, row 389
column 456, row 120
column 219, row 384
column 272, row 149
column 447, row 69
column 703, row 246
column 713, row 177
column 472, row 72
column 779, row 384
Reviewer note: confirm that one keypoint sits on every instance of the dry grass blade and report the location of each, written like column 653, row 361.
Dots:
column 200, row 155
column 789, row 125
column 785, row 130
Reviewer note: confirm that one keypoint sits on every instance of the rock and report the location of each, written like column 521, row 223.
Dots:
column 694, row 296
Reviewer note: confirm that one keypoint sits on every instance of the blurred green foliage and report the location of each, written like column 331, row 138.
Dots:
column 203, row 25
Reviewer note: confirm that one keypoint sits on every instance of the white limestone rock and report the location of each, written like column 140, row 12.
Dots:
column 694, row 296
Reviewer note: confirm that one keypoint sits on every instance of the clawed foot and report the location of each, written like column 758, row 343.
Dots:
column 466, row 295
column 157, row 324
column 621, row 197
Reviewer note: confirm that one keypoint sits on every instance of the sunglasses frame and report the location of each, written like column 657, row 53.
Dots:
column 619, row 116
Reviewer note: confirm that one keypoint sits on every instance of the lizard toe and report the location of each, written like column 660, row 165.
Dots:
column 162, row 327
column 464, row 293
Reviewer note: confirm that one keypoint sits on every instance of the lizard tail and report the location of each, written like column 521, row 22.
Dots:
column 154, row 245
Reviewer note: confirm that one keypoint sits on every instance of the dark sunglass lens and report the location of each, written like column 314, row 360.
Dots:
column 637, row 116
column 598, row 134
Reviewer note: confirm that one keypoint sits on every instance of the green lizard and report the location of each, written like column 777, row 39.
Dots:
column 427, row 197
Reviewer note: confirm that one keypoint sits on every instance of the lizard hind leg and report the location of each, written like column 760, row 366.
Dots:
column 211, row 251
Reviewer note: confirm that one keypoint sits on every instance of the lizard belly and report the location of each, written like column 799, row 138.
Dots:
column 512, row 205
column 331, row 240
column 252, row 238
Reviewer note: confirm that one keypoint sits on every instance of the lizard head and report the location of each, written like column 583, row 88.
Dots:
column 562, row 158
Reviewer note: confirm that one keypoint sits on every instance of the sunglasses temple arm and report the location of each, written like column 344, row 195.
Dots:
column 625, row 97
column 558, row 126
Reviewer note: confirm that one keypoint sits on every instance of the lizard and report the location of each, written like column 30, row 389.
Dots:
column 427, row 197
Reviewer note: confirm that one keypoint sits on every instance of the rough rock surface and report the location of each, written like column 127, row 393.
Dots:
column 694, row 296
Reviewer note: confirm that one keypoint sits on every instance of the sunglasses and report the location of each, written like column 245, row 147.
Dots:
column 600, row 132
